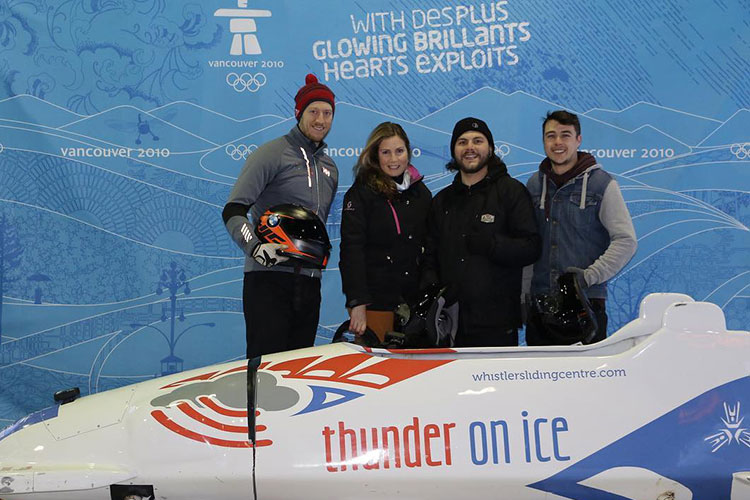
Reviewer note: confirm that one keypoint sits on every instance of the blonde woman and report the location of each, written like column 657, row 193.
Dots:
column 383, row 226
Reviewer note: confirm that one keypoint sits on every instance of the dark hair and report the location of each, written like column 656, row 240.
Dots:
column 563, row 117
column 368, row 170
column 495, row 160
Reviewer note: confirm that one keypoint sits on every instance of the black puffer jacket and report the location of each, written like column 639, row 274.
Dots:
column 382, row 243
column 479, row 239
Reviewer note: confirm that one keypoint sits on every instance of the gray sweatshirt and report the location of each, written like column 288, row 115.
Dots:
column 290, row 169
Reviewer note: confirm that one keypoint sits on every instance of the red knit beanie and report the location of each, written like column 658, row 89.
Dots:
column 311, row 91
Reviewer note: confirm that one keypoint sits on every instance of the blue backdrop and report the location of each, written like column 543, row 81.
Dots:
column 123, row 124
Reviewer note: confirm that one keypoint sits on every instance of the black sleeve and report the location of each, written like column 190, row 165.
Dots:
column 522, row 244
column 429, row 274
column 232, row 209
column 353, row 262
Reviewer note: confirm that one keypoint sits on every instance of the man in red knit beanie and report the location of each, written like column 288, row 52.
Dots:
column 281, row 303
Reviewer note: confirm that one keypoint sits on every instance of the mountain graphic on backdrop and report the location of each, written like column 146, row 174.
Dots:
column 525, row 129
column 688, row 128
column 733, row 131
column 128, row 126
column 29, row 109
column 211, row 125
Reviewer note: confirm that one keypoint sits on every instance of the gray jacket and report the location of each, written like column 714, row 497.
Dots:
column 290, row 169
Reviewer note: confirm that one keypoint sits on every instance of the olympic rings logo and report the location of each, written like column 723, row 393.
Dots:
column 740, row 150
column 246, row 81
column 502, row 150
column 240, row 151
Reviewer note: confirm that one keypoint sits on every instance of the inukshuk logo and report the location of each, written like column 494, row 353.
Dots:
column 732, row 431
column 243, row 28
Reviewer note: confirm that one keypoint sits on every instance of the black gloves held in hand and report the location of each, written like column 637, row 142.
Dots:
column 580, row 275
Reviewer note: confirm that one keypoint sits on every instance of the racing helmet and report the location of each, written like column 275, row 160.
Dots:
column 564, row 317
column 429, row 321
column 301, row 230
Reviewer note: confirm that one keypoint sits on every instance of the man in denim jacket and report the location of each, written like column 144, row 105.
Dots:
column 584, row 223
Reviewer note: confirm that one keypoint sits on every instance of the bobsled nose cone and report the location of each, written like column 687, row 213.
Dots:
column 66, row 452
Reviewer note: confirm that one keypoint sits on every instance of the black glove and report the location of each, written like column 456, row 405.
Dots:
column 580, row 276
column 480, row 244
column 451, row 294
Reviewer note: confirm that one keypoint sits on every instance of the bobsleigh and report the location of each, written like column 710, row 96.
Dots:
column 659, row 410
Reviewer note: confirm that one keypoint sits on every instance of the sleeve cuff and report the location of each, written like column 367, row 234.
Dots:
column 355, row 302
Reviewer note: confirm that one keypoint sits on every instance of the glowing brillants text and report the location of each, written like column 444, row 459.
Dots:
column 447, row 39
column 414, row 445
column 375, row 56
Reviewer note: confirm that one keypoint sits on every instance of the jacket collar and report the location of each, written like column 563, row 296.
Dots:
column 298, row 139
column 414, row 174
column 584, row 165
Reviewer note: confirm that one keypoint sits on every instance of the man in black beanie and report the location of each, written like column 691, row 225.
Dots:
column 481, row 233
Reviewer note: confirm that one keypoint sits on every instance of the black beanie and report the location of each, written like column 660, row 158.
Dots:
column 471, row 124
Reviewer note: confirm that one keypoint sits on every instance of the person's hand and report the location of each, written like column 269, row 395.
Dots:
column 580, row 275
column 358, row 319
column 479, row 244
column 267, row 254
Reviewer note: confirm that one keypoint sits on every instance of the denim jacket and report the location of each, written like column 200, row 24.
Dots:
column 589, row 227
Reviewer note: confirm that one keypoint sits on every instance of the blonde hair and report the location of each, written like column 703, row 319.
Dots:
column 367, row 169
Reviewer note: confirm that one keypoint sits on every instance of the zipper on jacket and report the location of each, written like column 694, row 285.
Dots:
column 317, row 182
column 395, row 218
column 307, row 162
column 310, row 176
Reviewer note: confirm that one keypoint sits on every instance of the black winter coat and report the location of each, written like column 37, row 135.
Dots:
column 479, row 239
column 382, row 244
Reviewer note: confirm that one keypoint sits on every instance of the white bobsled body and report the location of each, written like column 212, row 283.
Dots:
column 662, row 407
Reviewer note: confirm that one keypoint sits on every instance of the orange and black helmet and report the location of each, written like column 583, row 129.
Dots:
column 303, row 233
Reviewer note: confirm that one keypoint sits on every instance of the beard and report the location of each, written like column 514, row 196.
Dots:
column 484, row 162
column 310, row 131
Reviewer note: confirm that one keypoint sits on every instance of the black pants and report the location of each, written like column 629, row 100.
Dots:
column 484, row 325
column 534, row 337
column 281, row 311
column 600, row 312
